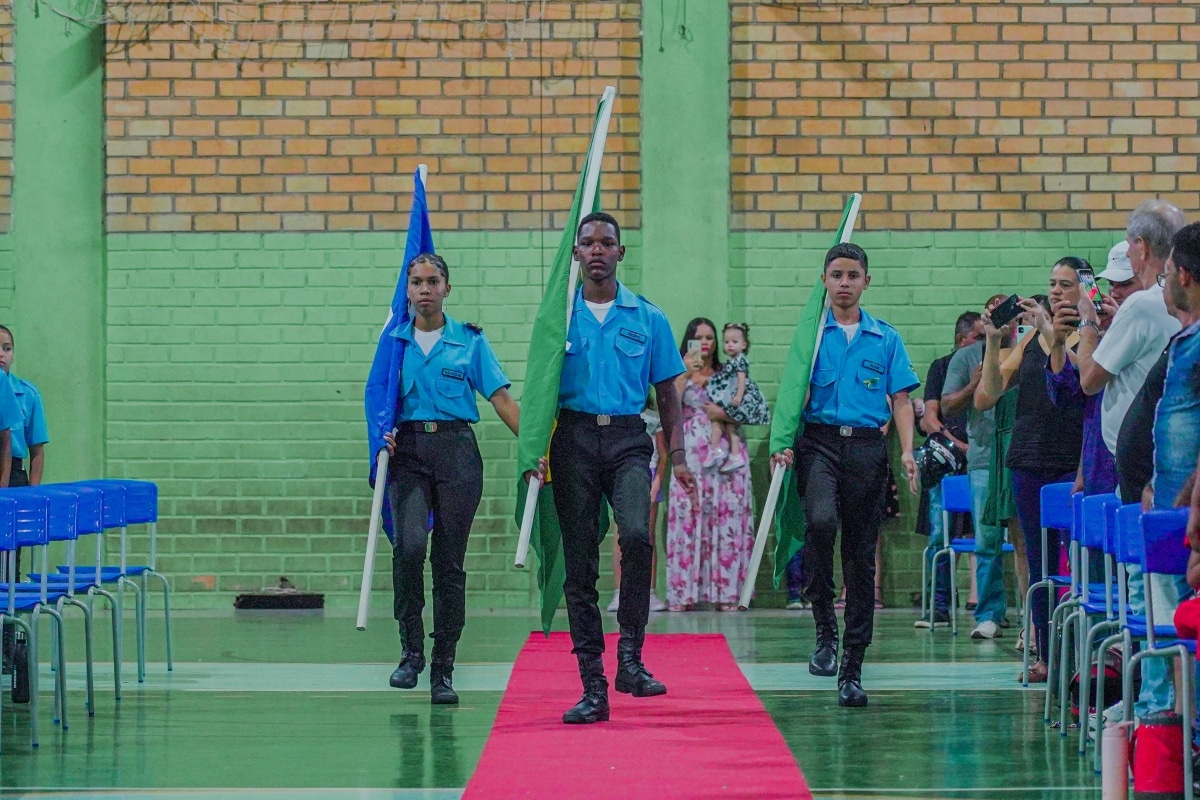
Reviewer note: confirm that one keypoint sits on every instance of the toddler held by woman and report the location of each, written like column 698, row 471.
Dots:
column 738, row 396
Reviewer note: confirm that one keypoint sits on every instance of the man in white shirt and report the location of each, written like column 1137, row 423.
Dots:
column 1117, row 365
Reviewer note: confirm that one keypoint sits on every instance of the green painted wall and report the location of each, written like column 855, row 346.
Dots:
column 57, row 302
column 236, row 362
column 685, row 159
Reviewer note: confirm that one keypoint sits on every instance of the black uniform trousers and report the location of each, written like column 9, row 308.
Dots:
column 588, row 461
column 842, row 480
column 440, row 472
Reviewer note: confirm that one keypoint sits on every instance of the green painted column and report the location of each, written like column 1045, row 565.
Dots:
column 685, row 159
column 58, row 232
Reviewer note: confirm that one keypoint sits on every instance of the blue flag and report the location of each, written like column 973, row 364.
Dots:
column 383, row 381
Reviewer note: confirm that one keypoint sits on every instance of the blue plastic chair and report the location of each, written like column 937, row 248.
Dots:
column 89, row 521
column 956, row 499
column 135, row 503
column 1056, row 514
column 1096, row 510
column 1165, row 553
column 8, row 615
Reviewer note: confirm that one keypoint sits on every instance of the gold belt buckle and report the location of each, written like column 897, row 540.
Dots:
column 431, row 427
column 846, row 431
column 603, row 420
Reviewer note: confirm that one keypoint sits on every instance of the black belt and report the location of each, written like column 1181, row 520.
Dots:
column 842, row 431
column 601, row 420
column 432, row 426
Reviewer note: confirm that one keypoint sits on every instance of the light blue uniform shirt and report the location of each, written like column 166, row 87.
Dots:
column 32, row 429
column 609, row 368
column 851, row 381
column 10, row 411
column 442, row 385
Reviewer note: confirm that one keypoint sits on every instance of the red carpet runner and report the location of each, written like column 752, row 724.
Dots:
column 708, row 737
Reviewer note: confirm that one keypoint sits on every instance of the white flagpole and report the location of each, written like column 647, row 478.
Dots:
column 587, row 202
column 778, row 471
column 381, row 467
column 364, row 592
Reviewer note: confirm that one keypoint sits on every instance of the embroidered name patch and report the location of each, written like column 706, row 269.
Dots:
column 871, row 365
column 633, row 336
column 453, row 374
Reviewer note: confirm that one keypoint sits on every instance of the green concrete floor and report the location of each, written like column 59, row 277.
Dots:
column 263, row 704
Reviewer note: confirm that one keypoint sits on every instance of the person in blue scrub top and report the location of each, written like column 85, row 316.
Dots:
column 435, row 466
column 618, row 346
column 18, row 425
column 861, row 379
column 29, row 438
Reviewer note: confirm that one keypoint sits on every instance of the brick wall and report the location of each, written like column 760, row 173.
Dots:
column 311, row 116
column 1024, row 114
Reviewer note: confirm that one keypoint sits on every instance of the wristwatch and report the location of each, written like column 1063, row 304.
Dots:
column 1091, row 323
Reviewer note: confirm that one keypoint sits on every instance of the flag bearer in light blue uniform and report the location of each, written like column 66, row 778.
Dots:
column 14, row 436
column 31, row 436
column 435, row 466
column 618, row 346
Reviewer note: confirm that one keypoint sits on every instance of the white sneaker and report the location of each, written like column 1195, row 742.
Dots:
column 731, row 464
column 716, row 457
column 616, row 601
column 656, row 604
column 987, row 630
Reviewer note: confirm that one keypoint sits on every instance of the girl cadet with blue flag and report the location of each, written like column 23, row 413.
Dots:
column 435, row 466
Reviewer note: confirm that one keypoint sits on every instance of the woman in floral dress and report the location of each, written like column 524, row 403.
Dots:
column 709, row 541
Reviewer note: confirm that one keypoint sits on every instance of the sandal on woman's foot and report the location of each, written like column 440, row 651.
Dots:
column 679, row 607
column 839, row 603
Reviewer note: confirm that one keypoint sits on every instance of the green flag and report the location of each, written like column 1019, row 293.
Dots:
column 786, row 424
column 547, row 348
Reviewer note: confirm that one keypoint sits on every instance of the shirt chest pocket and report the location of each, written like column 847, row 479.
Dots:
column 824, row 378
column 451, row 382
column 631, row 342
column 870, row 376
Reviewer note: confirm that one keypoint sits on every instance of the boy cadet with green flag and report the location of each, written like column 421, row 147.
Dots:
column 860, row 374
column 618, row 346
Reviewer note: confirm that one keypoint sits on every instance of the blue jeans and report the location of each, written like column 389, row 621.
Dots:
column 1158, row 690
column 937, row 540
column 989, row 556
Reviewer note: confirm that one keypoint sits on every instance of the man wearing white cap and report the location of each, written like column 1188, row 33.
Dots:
column 1119, row 274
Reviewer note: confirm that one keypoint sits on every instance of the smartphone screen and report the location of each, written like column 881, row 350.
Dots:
column 1087, row 281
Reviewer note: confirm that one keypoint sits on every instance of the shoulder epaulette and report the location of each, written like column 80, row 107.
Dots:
column 647, row 302
column 473, row 327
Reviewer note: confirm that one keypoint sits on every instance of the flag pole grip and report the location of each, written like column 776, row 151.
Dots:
column 531, row 496
column 760, row 539
column 364, row 592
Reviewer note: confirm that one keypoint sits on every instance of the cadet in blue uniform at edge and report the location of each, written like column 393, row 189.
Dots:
column 618, row 345
column 30, row 436
column 861, row 378
column 22, row 421
column 436, row 466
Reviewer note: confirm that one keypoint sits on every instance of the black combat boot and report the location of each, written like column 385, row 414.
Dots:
column 850, row 691
column 632, row 675
column 593, row 706
column 824, row 657
column 441, row 691
column 412, row 662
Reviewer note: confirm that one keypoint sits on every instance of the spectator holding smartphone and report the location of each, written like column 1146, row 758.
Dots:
column 1046, row 440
